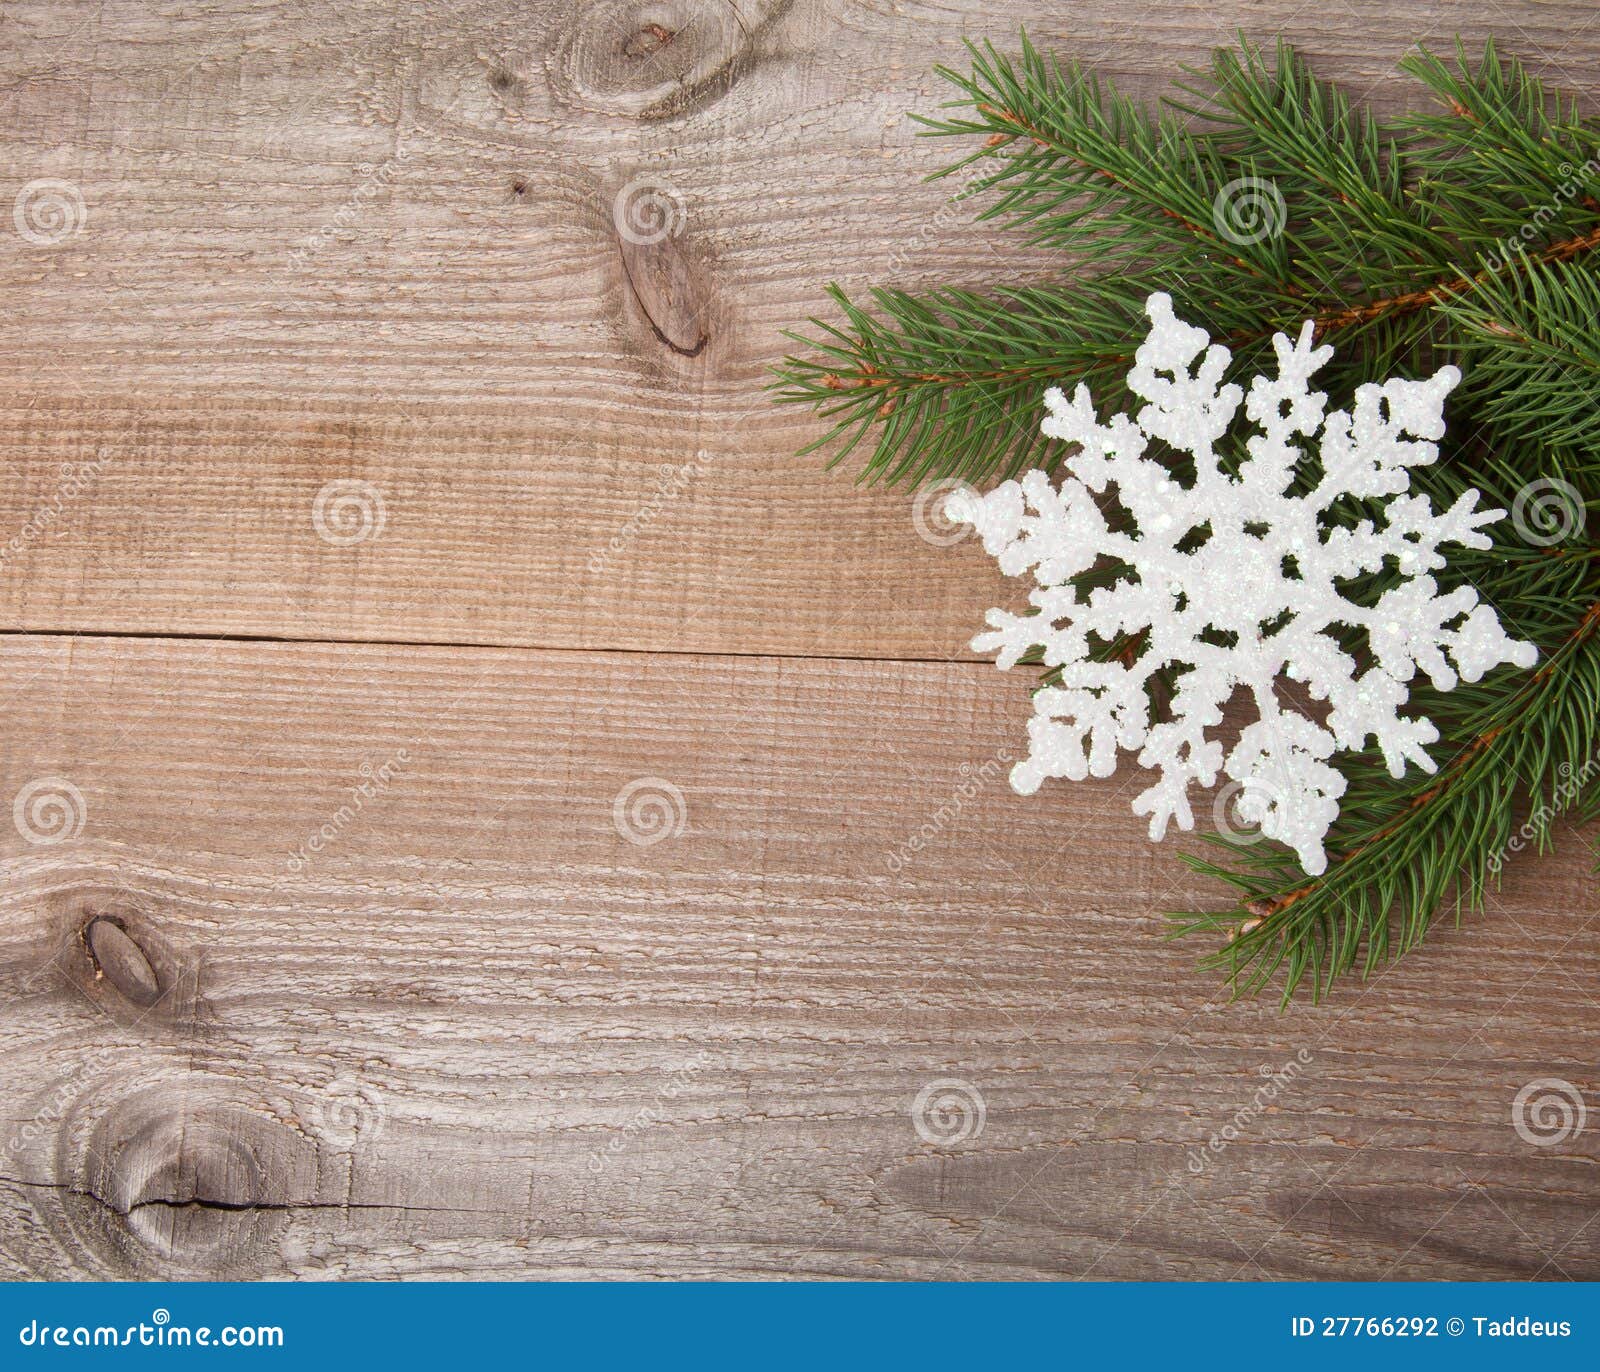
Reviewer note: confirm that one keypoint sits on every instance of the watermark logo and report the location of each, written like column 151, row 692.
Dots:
column 348, row 512
column 49, row 810
column 375, row 179
column 972, row 781
column 1238, row 812
column 949, row 1113
column 48, row 212
column 56, row 1107
column 945, row 512
column 1274, row 1082
column 649, row 810
column 649, row 210
column 1547, row 511
column 1249, row 209
column 77, row 479
column 1548, row 1111
column 680, row 1080
column 157, row 1332
column 348, row 1112
column 1575, row 180
column 1568, row 788
column 375, row 781
column 675, row 479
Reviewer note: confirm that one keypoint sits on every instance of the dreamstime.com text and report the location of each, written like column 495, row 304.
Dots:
column 159, row 1332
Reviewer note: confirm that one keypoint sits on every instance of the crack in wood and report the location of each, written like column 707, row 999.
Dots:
column 201, row 1203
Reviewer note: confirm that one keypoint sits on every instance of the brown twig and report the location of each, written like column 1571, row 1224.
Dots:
column 1412, row 301
column 1395, row 306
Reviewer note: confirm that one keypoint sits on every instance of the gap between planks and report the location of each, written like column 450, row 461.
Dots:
column 168, row 636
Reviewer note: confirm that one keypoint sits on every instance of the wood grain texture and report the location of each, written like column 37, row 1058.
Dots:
column 380, row 243
column 335, row 958
column 483, row 1033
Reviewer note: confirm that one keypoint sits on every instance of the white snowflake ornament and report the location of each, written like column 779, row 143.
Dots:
column 1235, row 581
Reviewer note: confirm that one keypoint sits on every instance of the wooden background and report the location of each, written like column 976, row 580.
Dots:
column 479, row 1032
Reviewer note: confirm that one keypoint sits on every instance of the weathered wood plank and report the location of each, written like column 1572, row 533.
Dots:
column 360, row 244
column 376, row 258
column 481, row 1032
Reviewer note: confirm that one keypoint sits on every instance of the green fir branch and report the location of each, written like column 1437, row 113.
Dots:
column 1379, row 228
column 1465, row 234
column 1402, row 853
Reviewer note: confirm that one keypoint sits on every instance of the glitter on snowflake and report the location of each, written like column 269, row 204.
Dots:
column 1234, row 581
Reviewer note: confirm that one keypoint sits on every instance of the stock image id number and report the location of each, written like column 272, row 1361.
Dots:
column 1366, row 1326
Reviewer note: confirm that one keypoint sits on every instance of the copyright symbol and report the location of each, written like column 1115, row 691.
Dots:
column 1455, row 1326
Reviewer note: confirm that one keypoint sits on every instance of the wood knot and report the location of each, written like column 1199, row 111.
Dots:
column 672, row 56
column 120, row 960
column 648, row 41
column 670, row 287
column 111, row 946
column 505, row 83
column 162, row 1171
